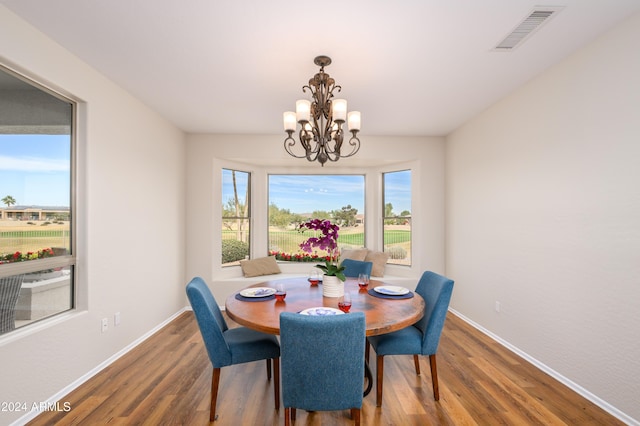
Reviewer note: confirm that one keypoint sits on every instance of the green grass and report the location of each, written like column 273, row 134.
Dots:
column 289, row 241
column 32, row 240
column 286, row 241
column 396, row 236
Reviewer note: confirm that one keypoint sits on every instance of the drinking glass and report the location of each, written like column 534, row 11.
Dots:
column 314, row 277
column 281, row 292
column 363, row 281
column 344, row 303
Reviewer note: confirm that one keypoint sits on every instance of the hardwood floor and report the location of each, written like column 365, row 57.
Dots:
column 166, row 381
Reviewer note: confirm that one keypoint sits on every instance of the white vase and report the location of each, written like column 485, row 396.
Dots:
column 332, row 287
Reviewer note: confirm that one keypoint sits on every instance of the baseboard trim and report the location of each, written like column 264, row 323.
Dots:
column 559, row 377
column 551, row 372
column 81, row 380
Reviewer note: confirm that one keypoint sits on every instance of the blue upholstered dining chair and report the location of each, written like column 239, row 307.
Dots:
column 322, row 363
column 423, row 337
column 353, row 268
column 227, row 346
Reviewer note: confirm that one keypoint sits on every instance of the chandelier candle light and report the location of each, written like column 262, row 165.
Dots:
column 321, row 120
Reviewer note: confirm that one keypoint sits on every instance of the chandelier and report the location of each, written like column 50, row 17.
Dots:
column 321, row 135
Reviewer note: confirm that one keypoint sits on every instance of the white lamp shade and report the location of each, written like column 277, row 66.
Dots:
column 339, row 109
column 354, row 120
column 303, row 110
column 289, row 119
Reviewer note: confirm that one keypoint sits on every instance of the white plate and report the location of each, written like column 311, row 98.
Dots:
column 257, row 292
column 391, row 290
column 321, row 311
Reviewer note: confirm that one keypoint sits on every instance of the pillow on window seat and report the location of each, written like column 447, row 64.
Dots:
column 379, row 260
column 260, row 266
column 357, row 254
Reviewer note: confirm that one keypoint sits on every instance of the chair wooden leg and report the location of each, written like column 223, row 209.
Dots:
column 367, row 350
column 379, row 376
column 215, row 381
column 416, row 362
column 434, row 376
column 355, row 415
column 287, row 419
column 276, row 382
column 293, row 414
column 268, row 369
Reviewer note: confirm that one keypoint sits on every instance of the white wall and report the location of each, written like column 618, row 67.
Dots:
column 131, row 251
column 543, row 215
column 262, row 154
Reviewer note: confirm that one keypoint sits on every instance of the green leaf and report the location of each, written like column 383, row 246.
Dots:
column 323, row 268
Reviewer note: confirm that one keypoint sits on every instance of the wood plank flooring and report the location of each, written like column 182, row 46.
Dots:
column 166, row 381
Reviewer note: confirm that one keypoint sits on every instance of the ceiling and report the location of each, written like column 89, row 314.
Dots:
column 413, row 67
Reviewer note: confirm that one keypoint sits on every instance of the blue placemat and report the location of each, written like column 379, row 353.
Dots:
column 389, row 296
column 254, row 299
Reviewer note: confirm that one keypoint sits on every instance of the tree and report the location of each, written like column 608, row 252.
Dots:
column 279, row 217
column 282, row 218
column 9, row 201
column 229, row 218
column 321, row 214
column 388, row 210
column 346, row 216
column 388, row 213
column 237, row 211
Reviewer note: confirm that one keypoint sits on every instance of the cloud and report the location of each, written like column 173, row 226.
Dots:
column 33, row 164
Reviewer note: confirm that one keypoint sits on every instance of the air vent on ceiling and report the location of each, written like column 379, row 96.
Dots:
column 529, row 25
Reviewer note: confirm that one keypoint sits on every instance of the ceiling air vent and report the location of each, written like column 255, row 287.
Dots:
column 529, row 25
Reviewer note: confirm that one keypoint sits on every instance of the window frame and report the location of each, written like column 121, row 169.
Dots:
column 248, row 218
column 384, row 218
column 362, row 174
column 68, row 260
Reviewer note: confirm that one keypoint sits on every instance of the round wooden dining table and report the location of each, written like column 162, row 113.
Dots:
column 381, row 315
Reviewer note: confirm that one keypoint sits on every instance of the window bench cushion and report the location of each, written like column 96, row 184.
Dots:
column 355, row 254
column 260, row 266
column 378, row 258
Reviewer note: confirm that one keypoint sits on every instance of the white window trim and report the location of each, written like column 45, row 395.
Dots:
column 260, row 210
column 79, row 276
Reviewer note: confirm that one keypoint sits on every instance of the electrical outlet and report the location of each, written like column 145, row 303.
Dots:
column 105, row 324
column 497, row 307
column 116, row 319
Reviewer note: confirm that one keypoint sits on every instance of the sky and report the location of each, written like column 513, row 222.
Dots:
column 397, row 190
column 307, row 193
column 34, row 169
